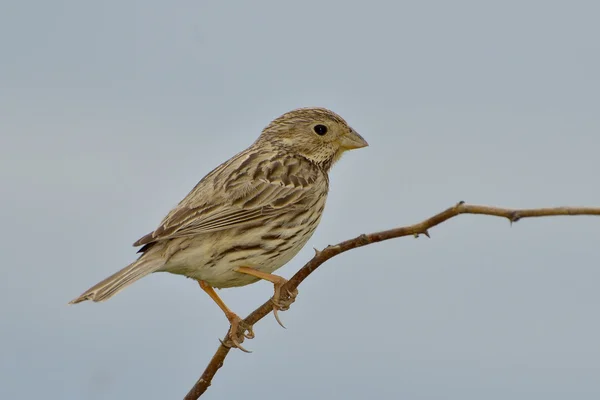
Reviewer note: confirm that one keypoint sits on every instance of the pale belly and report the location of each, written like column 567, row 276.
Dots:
column 214, row 257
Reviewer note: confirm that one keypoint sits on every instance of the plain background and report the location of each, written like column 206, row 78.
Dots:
column 111, row 111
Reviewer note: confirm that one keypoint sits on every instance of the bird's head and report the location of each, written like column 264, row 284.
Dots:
column 318, row 134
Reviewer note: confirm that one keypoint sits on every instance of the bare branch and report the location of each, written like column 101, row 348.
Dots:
column 422, row 228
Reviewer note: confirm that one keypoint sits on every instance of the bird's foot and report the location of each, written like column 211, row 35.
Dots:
column 282, row 301
column 238, row 331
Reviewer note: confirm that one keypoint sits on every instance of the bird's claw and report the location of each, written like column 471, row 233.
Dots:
column 238, row 331
column 282, row 303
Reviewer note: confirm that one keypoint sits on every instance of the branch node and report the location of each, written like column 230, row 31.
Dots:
column 514, row 217
column 330, row 247
column 364, row 239
column 424, row 232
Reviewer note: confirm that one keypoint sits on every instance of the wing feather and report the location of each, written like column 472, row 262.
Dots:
column 251, row 187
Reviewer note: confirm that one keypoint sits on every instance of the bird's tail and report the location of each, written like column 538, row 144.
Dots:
column 118, row 281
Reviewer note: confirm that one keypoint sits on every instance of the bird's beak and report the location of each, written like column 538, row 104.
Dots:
column 352, row 140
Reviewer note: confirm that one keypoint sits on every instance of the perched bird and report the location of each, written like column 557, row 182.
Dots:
column 249, row 216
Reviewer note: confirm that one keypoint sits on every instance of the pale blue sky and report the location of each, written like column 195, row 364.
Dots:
column 111, row 111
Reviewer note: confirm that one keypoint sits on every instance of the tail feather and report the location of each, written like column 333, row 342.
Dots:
column 120, row 280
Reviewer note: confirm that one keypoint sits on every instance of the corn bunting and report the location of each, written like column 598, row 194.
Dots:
column 249, row 216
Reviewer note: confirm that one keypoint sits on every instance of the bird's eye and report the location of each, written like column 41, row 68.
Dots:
column 320, row 129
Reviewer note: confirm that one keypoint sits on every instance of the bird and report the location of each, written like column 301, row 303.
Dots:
column 248, row 217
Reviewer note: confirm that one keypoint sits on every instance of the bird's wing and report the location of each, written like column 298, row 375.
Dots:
column 251, row 187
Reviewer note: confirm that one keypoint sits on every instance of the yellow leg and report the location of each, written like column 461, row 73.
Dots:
column 278, row 282
column 274, row 279
column 213, row 295
column 235, row 321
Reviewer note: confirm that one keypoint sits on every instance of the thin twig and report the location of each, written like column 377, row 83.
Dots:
column 422, row 228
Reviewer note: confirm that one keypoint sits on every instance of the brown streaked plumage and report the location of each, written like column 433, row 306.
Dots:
column 249, row 216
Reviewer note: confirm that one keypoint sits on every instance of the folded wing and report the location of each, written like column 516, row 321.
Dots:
column 251, row 187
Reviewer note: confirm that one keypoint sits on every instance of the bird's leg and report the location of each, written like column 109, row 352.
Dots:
column 238, row 329
column 279, row 303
